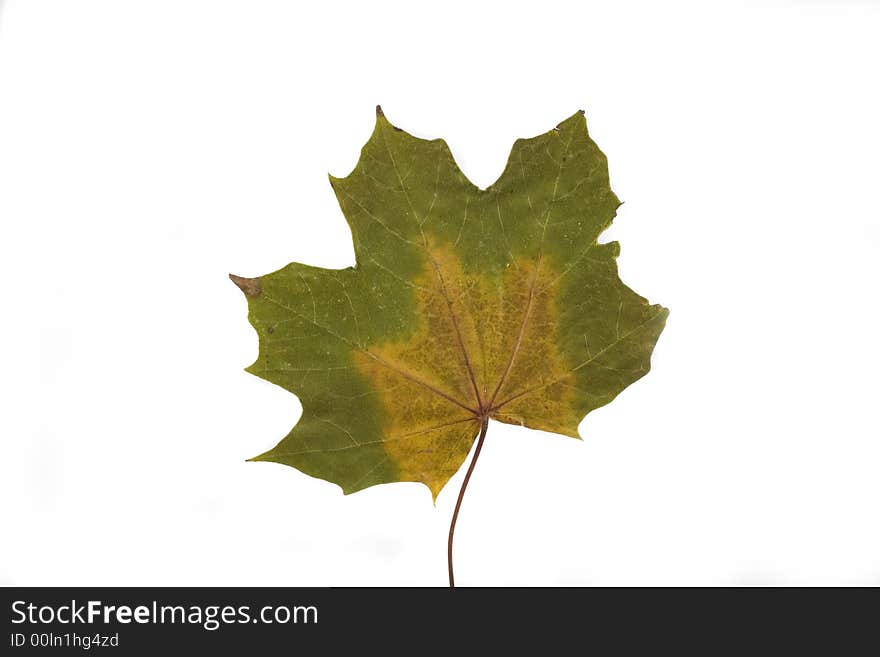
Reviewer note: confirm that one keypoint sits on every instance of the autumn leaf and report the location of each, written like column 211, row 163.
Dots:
column 465, row 305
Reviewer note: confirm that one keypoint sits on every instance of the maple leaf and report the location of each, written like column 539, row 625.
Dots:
column 465, row 304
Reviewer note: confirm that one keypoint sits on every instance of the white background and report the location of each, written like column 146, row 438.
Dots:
column 149, row 148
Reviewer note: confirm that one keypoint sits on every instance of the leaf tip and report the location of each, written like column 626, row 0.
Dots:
column 265, row 456
column 250, row 286
column 576, row 121
column 613, row 248
column 382, row 120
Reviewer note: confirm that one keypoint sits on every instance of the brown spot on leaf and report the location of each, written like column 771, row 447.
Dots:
column 250, row 286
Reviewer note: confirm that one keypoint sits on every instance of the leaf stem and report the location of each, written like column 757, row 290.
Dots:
column 467, row 478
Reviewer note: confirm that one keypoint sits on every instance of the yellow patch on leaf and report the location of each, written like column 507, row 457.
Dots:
column 482, row 339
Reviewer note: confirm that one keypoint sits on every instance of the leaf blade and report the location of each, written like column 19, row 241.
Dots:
column 464, row 303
